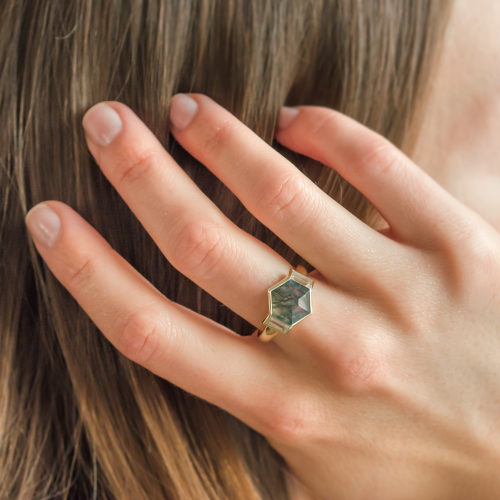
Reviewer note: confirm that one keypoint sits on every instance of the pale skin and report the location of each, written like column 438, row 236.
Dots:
column 391, row 389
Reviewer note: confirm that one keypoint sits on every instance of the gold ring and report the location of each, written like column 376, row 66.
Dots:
column 290, row 301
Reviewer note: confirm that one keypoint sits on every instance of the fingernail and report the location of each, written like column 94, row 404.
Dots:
column 182, row 110
column 44, row 224
column 102, row 123
column 286, row 117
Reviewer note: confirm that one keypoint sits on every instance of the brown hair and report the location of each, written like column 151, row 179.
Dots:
column 77, row 419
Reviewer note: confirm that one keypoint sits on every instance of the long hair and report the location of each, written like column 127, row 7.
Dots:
column 77, row 419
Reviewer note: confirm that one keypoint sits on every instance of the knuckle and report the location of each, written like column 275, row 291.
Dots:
column 144, row 333
column 462, row 232
column 326, row 122
column 81, row 274
column 134, row 165
column 469, row 252
column 460, row 236
column 360, row 371
column 218, row 135
column 482, row 258
column 378, row 157
column 201, row 248
column 287, row 199
column 294, row 419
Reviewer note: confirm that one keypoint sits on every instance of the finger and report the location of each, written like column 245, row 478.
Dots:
column 189, row 229
column 411, row 202
column 275, row 191
column 173, row 342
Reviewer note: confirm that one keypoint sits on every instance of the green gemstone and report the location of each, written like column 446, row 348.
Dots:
column 290, row 302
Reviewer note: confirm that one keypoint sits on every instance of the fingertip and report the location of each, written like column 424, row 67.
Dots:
column 182, row 111
column 286, row 117
column 44, row 224
column 102, row 124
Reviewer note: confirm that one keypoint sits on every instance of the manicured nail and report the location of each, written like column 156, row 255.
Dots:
column 286, row 117
column 182, row 110
column 44, row 224
column 102, row 123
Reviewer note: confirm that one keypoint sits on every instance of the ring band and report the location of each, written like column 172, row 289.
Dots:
column 290, row 301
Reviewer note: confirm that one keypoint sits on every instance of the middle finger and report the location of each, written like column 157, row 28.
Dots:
column 338, row 244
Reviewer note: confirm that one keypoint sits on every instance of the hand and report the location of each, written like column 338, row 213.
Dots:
column 391, row 389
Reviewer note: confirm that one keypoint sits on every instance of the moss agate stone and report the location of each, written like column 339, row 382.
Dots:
column 290, row 302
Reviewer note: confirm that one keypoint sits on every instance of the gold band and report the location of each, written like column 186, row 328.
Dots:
column 269, row 332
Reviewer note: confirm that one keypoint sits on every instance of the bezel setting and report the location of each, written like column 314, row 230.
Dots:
column 277, row 324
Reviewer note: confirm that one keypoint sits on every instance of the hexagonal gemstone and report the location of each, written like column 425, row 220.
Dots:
column 290, row 302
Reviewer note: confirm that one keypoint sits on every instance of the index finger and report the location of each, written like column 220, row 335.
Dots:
column 186, row 348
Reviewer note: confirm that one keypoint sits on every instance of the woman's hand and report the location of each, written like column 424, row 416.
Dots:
column 391, row 389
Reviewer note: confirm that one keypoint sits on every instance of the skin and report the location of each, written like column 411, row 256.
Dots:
column 390, row 389
column 459, row 142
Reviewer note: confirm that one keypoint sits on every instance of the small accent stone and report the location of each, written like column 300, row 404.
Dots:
column 290, row 302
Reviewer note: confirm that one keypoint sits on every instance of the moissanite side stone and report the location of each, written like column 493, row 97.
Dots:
column 290, row 302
